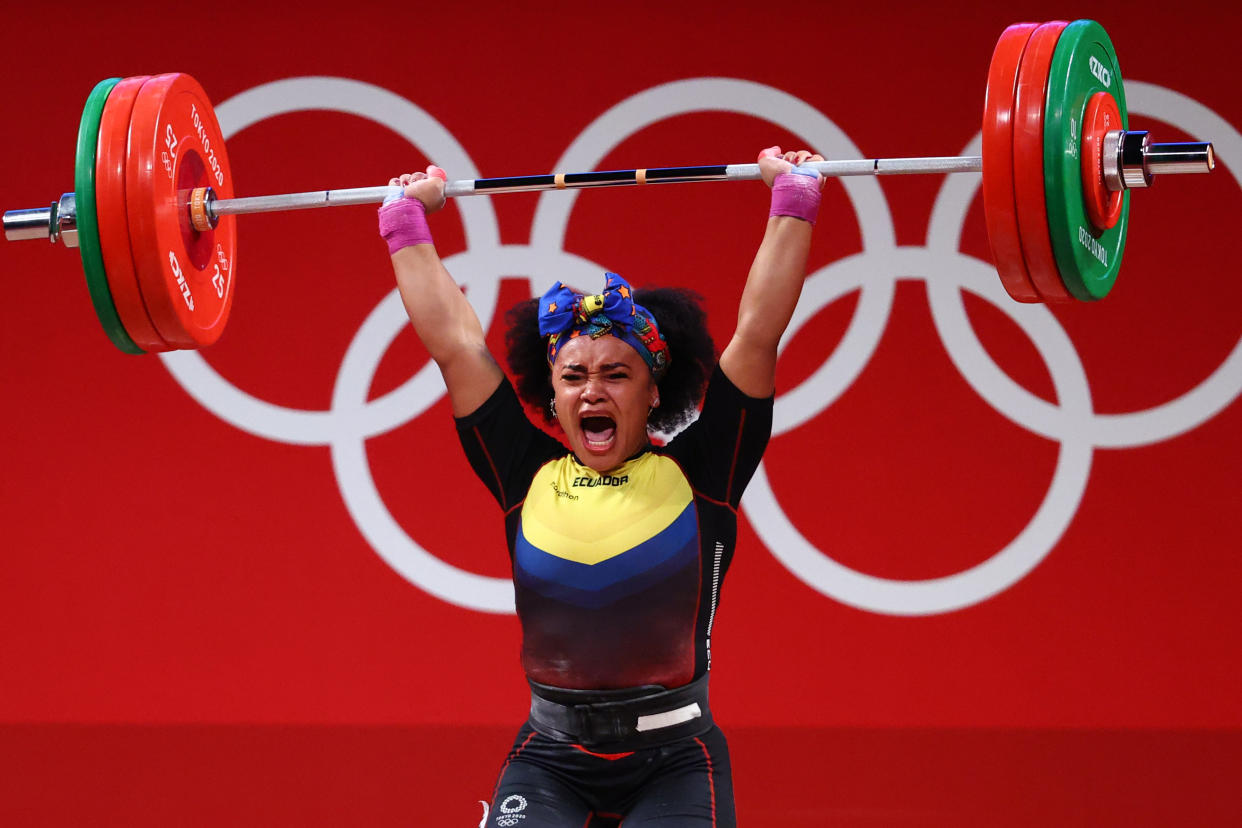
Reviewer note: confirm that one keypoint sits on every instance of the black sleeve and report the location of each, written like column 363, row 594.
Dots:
column 504, row 448
column 722, row 448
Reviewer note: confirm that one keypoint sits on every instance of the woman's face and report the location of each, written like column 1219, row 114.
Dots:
column 604, row 391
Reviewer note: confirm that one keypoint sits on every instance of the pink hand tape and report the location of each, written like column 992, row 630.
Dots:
column 797, row 195
column 403, row 223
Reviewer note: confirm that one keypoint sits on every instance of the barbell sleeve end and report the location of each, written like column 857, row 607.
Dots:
column 57, row 222
column 1132, row 160
column 24, row 225
column 1181, row 158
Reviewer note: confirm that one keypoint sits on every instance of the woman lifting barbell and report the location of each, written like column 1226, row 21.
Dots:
column 618, row 547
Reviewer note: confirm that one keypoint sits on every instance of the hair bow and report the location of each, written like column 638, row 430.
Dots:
column 564, row 314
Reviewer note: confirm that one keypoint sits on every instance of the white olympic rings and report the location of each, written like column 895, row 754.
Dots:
column 1072, row 422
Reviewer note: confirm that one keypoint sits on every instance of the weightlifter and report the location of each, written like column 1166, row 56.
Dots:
column 618, row 547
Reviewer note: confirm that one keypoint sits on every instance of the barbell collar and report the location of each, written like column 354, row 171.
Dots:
column 1110, row 160
column 1133, row 155
column 65, row 224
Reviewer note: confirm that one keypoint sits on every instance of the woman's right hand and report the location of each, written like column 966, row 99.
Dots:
column 773, row 162
column 427, row 187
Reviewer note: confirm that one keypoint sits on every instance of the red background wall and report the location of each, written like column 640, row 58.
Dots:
column 194, row 625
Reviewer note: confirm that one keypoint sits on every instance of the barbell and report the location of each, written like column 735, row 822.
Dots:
column 153, row 208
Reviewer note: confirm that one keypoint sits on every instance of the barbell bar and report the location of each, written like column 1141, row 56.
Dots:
column 1058, row 162
column 214, row 207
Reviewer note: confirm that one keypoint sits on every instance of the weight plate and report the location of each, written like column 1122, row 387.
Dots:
column 1085, row 63
column 1103, row 205
column 175, row 145
column 1028, row 162
column 999, row 208
column 113, row 221
column 88, row 225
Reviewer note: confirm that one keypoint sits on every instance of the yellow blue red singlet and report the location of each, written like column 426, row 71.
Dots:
column 617, row 576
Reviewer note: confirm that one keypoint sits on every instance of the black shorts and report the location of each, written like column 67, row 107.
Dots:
column 550, row 784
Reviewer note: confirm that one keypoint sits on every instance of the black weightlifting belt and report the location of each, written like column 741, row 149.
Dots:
column 613, row 721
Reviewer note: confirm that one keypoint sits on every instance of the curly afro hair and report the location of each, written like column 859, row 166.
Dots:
column 680, row 317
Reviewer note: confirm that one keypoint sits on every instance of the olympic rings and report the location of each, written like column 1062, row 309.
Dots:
column 874, row 272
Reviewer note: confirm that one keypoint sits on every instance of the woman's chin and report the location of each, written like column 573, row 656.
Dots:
column 599, row 463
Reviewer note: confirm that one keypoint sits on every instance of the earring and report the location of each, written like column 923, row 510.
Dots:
column 552, row 407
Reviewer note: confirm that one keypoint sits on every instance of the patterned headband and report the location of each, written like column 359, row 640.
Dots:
column 565, row 314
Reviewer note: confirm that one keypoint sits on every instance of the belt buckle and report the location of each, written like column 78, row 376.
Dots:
column 596, row 726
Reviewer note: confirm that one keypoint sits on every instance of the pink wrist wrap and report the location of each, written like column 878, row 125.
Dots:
column 797, row 195
column 403, row 223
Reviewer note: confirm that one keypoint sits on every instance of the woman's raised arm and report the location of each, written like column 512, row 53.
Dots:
column 776, row 275
column 440, row 312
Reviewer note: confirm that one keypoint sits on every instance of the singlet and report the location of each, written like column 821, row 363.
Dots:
column 617, row 576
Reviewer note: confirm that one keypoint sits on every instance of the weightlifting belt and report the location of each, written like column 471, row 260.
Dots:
column 613, row 721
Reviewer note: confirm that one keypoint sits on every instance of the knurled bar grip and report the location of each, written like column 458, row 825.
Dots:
column 606, row 178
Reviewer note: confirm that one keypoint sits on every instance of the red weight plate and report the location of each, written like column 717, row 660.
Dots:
column 999, row 207
column 112, row 215
column 1103, row 204
column 1028, row 162
column 175, row 145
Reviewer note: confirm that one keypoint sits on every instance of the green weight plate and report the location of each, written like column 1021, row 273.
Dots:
column 1084, row 63
column 88, row 221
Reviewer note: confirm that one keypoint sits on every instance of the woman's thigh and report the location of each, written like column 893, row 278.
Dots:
column 534, row 790
column 693, row 787
column 530, row 796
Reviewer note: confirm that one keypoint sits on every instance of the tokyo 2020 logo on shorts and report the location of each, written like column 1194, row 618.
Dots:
column 1071, row 422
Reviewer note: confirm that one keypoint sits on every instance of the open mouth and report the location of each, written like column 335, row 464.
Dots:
column 599, row 432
